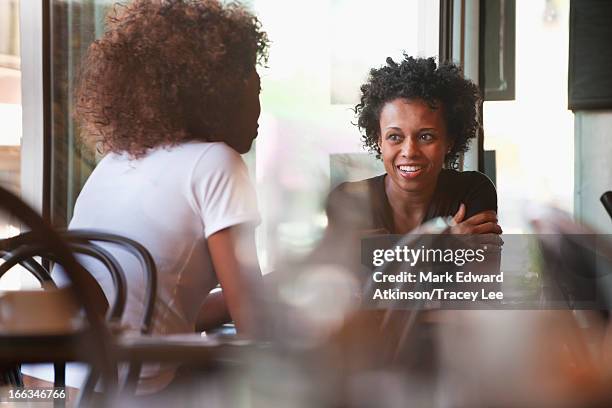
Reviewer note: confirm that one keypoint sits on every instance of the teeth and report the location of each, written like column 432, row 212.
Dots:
column 409, row 169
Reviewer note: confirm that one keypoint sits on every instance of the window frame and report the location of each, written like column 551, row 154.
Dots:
column 34, row 40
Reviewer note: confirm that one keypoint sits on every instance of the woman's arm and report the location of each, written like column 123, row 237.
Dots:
column 213, row 313
column 477, row 212
column 234, row 258
column 482, row 223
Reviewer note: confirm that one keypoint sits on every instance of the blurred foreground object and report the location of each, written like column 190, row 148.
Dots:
column 332, row 353
column 606, row 200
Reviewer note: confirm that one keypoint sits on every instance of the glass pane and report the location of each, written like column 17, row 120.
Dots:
column 533, row 134
column 74, row 25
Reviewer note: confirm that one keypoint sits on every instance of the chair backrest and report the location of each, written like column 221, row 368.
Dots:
column 85, row 242
column 149, row 269
column 91, row 237
column 21, row 250
column 31, row 265
column 84, row 293
column 25, row 253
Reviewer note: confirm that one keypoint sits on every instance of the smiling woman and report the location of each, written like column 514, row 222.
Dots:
column 413, row 142
column 417, row 117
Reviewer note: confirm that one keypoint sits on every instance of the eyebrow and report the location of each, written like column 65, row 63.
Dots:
column 400, row 129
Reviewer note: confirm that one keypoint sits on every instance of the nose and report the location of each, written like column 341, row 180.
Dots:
column 410, row 148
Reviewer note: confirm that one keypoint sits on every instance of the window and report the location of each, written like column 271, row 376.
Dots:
column 533, row 134
column 74, row 26
column 320, row 53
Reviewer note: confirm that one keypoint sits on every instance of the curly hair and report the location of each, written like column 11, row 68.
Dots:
column 166, row 71
column 420, row 78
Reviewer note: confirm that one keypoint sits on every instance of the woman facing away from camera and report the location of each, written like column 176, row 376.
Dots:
column 418, row 118
column 170, row 95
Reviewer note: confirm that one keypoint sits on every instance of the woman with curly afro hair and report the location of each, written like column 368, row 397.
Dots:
column 418, row 118
column 170, row 95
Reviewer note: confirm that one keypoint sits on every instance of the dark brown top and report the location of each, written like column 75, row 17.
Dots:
column 364, row 204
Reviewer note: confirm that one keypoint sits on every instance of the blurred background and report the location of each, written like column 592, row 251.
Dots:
column 321, row 52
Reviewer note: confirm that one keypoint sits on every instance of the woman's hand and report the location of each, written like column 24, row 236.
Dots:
column 481, row 223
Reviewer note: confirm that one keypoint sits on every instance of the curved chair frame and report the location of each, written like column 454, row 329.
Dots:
column 24, row 254
column 85, row 294
column 149, row 269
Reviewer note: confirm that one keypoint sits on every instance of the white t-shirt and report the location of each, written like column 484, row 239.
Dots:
column 170, row 201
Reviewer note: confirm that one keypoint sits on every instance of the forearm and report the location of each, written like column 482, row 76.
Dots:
column 214, row 312
column 239, row 275
column 241, row 298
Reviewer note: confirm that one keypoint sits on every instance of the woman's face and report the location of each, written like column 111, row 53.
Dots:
column 244, row 126
column 413, row 141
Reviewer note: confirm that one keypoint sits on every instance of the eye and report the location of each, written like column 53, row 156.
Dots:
column 394, row 137
column 426, row 137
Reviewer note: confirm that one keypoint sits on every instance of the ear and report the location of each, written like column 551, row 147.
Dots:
column 379, row 142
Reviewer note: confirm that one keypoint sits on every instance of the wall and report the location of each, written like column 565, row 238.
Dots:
column 593, row 167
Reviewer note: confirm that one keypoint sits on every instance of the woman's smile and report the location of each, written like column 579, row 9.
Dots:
column 410, row 171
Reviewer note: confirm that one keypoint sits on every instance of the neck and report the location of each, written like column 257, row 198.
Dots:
column 409, row 207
